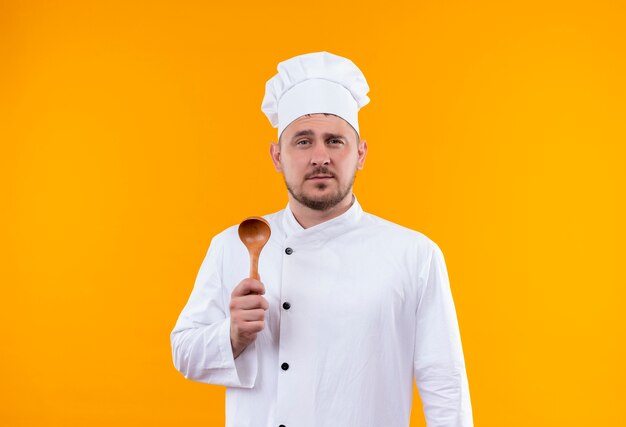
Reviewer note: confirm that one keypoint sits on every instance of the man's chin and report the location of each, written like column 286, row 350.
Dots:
column 320, row 202
column 320, row 197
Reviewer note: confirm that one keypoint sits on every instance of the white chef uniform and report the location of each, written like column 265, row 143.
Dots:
column 358, row 307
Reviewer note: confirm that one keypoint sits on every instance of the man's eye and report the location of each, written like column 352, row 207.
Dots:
column 302, row 142
column 335, row 141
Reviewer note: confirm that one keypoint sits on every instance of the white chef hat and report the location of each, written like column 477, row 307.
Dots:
column 317, row 82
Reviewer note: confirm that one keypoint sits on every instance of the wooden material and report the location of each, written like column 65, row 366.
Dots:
column 254, row 232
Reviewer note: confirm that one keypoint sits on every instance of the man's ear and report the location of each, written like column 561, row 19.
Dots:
column 275, row 155
column 362, row 150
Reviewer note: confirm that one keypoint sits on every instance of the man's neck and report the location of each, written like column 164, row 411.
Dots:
column 308, row 217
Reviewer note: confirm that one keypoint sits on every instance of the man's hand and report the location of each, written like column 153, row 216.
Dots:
column 247, row 314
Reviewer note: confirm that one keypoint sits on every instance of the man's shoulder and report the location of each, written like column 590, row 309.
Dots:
column 399, row 233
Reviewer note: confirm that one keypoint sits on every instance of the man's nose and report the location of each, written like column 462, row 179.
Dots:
column 320, row 155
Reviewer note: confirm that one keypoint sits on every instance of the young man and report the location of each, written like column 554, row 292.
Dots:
column 350, row 307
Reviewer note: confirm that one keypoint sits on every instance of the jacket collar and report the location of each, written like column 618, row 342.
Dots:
column 325, row 230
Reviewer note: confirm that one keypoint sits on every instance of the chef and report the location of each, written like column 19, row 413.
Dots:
column 350, row 308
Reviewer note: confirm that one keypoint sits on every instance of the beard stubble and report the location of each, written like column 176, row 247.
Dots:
column 322, row 203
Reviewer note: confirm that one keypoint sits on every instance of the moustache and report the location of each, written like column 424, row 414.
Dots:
column 319, row 171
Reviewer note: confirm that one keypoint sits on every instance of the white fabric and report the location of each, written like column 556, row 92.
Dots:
column 371, row 309
column 318, row 82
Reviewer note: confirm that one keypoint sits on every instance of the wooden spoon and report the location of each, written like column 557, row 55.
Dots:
column 254, row 232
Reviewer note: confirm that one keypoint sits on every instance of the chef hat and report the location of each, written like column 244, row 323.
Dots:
column 317, row 82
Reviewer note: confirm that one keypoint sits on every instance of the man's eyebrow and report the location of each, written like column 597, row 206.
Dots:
column 304, row 132
column 334, row 135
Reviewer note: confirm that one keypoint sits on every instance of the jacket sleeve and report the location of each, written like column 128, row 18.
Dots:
column 200, row 341
column 438, row 358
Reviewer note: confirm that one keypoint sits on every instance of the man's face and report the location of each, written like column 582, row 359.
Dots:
column 319, row 155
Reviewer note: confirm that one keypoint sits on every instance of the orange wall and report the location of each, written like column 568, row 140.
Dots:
column 131, row 133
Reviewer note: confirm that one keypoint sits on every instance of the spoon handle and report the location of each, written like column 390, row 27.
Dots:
column 254, row 266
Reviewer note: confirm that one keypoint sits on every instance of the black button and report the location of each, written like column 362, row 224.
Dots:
column 285, row 366
column 286, row 305
column 288, row 251
column 282, row 425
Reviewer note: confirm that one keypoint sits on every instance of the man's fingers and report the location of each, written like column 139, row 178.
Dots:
column 248, row 302
column 252, row 315
column 248, row 286
column 254, row 327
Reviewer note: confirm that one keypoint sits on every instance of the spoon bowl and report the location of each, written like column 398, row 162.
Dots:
column 254, row 233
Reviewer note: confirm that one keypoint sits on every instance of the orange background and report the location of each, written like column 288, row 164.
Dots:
column 132, row 132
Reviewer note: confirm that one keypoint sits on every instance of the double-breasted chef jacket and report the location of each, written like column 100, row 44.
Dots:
column 358, row 307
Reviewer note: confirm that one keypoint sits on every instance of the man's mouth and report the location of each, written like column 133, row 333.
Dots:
column 320, row 177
